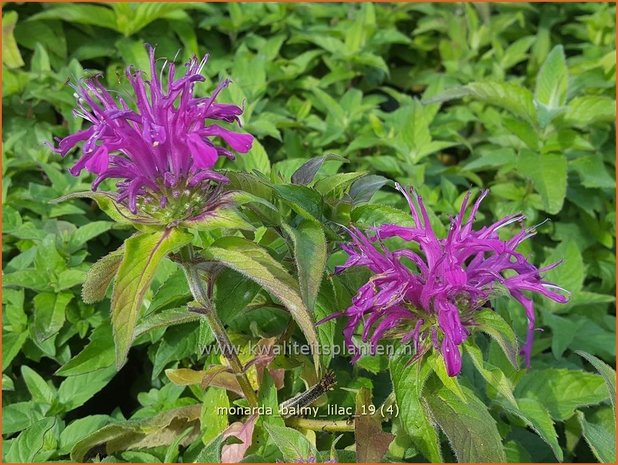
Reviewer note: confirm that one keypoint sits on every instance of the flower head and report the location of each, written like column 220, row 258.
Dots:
column 430, row 295
column 163, row 145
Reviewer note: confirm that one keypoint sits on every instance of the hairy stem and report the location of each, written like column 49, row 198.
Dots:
column 332, row 426
column 208, row 312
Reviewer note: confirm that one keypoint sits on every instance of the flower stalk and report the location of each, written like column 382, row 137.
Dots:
column 208, row 312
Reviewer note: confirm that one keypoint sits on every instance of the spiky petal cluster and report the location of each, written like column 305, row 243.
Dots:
column 160, row 147
column 434, row 296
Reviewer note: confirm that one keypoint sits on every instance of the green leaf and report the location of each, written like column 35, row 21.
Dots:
column 363, row 189
column 37, row 386
column 228, row 218
column 108, row 204
column 75, row 390
column 493, row 375
column 374, row 215
column 489, row 322
column 98, row 353
column 310, row 255
column 40, row 60
column 212, row 452
column 602, row 440
column 80, row 13
column 11, row 345
column 563, row 330
column 133, row 18
column 255, row 159
column 19, row 416
column 340, row 181
column 165, row 319
column 79, row 429
column 514, row 98
column 536, row 416
column 471, row 430
column 233, row 293
column 607, row 372
column 305, row 174
column 213, row 425
column 562, row 391
column 293, row 445
column 10, row 52
column 36, row 444
column 87, row 232
column 100, row 276
column 552, row 80
column 303, row 200
column 257, row 264
column 408, row 382
column 155, row 431
column 437, row 364
column 590, row 109
column 593, row 172
column 49, row 313
column 143, row 253
column 570, row 273
column 548, row 173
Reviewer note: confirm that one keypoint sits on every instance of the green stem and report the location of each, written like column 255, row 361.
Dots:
column 207, row 310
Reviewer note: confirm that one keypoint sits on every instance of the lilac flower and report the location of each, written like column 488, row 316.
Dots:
column 430, row 296
column 160, row 148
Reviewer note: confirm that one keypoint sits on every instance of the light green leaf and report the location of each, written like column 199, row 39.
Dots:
column 143, row 253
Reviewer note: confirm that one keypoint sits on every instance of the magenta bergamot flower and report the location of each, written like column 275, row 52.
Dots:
column 430, row 296
column 163, row 145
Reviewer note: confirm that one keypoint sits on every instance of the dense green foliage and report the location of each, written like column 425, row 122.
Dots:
column 519, row 98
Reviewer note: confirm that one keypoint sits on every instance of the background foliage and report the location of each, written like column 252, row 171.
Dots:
column 519, row 98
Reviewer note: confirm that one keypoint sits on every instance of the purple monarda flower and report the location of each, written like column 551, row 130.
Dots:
column 160, row 145
column 429, row 294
